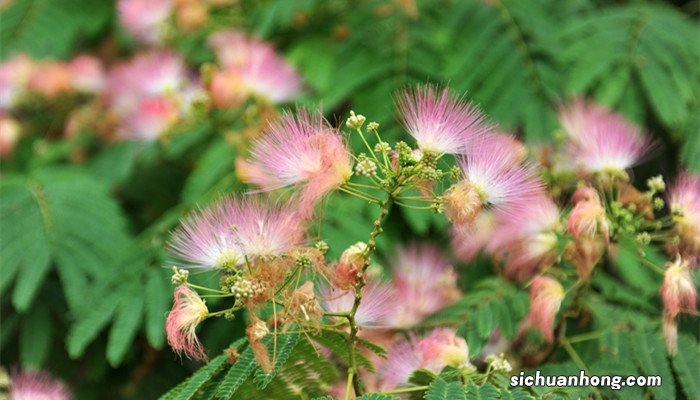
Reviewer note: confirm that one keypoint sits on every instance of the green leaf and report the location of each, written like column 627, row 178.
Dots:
column 650, row 352
column 485, row 320
column 631, row 268
column 215, row 164
column 91, row 323
column 35, row 340
column 515, row 394
column 686, row 363
column 285, row 346
column 484, row 392
column 193, row 384
column 441, row 390
column 157, row 300
column 237, row 374
column 126, row 324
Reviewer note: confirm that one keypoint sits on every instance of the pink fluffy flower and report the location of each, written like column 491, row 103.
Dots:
column 87, row 74
column 438, row 350
column 439, row 122
column 424, row 281
column 469, row 240
column 304, row 152
column 601, row 140
column 251, row 67
column 145, row 19
column 188, row 311
column 588, row 216
column 684, row 200
column 493, row 177
column 374, row 310
column 678, row 291
column 14, row 75
column 528, row 239
column 49, row 79
column 35, row 385
column 149, row 93
column 222, row 235
column 546, row 295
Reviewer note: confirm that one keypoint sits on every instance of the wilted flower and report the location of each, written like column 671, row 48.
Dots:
column 678, row 291
column 303, row 151
column 684, row 200
column 439, row 122
column 588, row 216
column 250, row 67
column 438, row 350
column 188, row 311
column 145, row 19
column 493, row 177
column 601, row 140
column 424, row 281
column 231, row 229
column 256, row 331
column 374, row 310
column 35, row 385
column 546, row 295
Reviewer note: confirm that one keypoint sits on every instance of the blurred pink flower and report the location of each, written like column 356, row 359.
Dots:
column 35, row 385
column 250, row 67
column 188, row 311
column 424, row 281
column 678, row 291
column 153, row 116
column 439, row 122
column 684, row 201
column 87, row 74
column 588, row 216
column 601, row 140
column 303, row 151
column 231, row 229
column 14, row 75
column 145, row 19
column 468, row 240
column 50, row 79
column 374, row 310
column 546, row 295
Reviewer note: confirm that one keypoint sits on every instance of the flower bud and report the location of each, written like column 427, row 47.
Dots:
column 355, row 121
column 678, row 291
column 462, row 203
column 351, row 262
column 546, row 295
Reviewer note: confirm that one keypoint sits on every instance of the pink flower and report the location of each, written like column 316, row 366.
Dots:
column 10, row 132
column 374, row 310
column 35, row 385
column 188, row 311
column 684, row 200
column 588, row 216
column 50, row 79
column 493, row 177
column 424, row 281
column 303, row 151
column 14, row 75
column 438, row 350
column 351, row 262
column 678, row 291
column 145, row 19
column 546, row 295
column 87, row 74
column 153, row 117
column 439, row 122
column 222, row 235
column 468, row 240
column 251, row 67
column 601, row 140
column 528, row 239
column 669, row 326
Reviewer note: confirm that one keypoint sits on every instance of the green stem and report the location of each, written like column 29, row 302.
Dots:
column 407, row 390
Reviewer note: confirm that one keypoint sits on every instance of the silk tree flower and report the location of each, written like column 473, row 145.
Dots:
column 14, row 75
column 684, row 200
column 145, row 19
column 222, row 235
column 87, row 74
column 149, row 94
column 351, row 262
column 250, row 67
column 424, row 281
column 469, row 240
column 49, row 79
column 441, row 348
column 678, row 291
column 546, row 295
column 601, row 140
column 588, row 216
column 493, row 177
column 378, row 300
column 528, row 239
column 35, row 385
column 188, row 311
column 304, row 152
column 439, row 122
